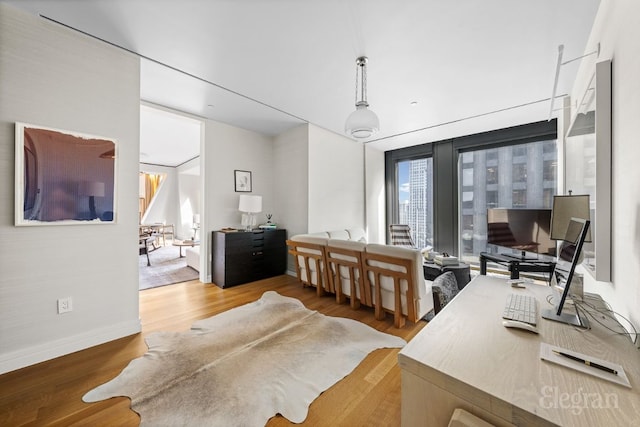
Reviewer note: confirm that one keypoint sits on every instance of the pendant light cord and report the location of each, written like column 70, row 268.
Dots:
column 361, row 74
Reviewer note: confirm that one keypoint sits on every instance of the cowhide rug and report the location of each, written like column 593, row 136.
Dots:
column 243, row 366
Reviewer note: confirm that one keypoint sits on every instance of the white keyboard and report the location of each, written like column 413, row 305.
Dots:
column 523, row 308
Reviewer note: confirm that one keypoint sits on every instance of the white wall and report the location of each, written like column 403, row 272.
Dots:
column 306, row 175
column 190, row 196
column 336, row 181
column 375, row 196
column 54, row 77
column 291, row 163
column 226, row 149
column 189, row 205
column 617, row 30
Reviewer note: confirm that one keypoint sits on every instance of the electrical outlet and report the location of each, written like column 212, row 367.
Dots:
column 65, row 305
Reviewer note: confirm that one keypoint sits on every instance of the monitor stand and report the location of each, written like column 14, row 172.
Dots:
column 515, row 265
column 522, row 258
column 568, row 318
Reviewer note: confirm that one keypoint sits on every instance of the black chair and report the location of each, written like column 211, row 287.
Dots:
column 444, row 288
column 401, row 235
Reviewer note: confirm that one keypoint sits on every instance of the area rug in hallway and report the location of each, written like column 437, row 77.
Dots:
column 166, row 268
column 243, row 366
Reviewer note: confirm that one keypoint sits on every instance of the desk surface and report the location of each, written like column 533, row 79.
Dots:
column 466, row 352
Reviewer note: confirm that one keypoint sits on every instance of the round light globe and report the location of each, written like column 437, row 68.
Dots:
column 363, row 122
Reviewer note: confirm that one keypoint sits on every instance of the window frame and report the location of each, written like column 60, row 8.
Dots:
column 392, row 158
column 445, row 153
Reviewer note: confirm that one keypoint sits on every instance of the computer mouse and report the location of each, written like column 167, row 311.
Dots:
column 519, row 325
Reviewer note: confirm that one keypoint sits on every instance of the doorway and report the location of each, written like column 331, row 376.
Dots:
column 169, row 196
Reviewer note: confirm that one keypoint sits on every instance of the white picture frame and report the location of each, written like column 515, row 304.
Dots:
column 63, row 177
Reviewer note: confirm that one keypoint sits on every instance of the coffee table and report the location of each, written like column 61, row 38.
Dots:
column 182, row 243
column 461, row 270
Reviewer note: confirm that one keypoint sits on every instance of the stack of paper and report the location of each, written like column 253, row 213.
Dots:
column 446, row 260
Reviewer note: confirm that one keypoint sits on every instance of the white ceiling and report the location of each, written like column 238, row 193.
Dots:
column 270, row 65
column 166, row 138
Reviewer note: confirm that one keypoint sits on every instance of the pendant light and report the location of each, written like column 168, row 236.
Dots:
column 363, row 122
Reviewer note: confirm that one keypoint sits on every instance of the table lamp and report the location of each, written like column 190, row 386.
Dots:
column 92, row 189
column 249, row 205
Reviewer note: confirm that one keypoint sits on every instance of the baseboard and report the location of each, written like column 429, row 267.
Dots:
column 52, row 349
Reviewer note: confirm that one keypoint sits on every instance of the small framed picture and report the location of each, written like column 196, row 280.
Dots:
column 242, row 181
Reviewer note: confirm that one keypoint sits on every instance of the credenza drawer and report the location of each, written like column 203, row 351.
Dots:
column 243, row 257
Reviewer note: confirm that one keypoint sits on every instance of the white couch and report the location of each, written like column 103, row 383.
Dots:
column 396, row 277
column 344, row 258
column 192, row 255
column 309, row 251
column 342, row 263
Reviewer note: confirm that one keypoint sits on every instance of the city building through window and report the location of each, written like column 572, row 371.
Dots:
column 525, row 177
column 415, row 198
column 443, row 189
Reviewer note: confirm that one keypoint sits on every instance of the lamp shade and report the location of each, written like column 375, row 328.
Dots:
column 565, row 208
column 250, row 204
column 363, row 122
column 91, row 188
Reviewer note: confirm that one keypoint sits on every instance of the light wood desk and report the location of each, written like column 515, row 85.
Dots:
column 465, row 358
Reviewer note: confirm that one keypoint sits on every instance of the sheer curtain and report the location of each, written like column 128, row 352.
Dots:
column 149, row 184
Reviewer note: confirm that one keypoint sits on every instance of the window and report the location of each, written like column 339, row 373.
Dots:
column 528, row 181
column 550, row 171
column 519, row 198
column 549, row 147
column 467, row 233
column 547, row 197
column 414, row 205
column 467, row 200
column 519, row 172
column 492, row 175
column 467, row 177
column 519, row 151
column 456, row 180
column 492, row 199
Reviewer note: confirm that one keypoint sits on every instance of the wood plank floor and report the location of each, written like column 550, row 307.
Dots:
column 50, row 393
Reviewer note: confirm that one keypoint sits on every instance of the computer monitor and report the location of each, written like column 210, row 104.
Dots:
column 566, row 207
column 522, row 230
column 568, row 259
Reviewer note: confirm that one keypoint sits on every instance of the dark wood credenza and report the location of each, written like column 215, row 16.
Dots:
column 246, row 256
